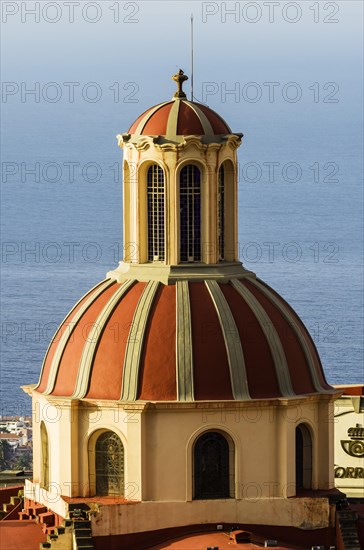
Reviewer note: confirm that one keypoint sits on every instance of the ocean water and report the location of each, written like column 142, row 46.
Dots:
column 300, row 169
column 302, row 237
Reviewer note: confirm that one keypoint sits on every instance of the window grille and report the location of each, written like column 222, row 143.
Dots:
column 221, row 213
column 156, row 215
column 190, row 214
column 109, row 453
column 211, row 466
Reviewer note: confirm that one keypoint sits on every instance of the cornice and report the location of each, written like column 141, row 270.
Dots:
column 176, row 143
column 170, row 274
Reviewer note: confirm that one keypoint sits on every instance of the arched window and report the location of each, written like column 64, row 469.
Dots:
column 44, row 479
column 213, row 464
column 303, row 458
column 221, row 213
column 190, row 214
column 109, row 464
column 156, row 217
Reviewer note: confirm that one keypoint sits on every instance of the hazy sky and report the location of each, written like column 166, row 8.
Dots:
column 260, row 64
column 146, row 41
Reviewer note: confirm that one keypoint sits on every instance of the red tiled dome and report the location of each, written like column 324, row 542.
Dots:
column 188, row 341
column 179, row 117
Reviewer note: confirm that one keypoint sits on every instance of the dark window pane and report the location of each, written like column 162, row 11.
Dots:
column 156, row 227
column 211, row 466
column 190, row 214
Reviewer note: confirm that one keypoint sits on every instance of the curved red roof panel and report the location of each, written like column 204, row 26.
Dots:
column 157, row 375
column 179, row 117
column 237, row 333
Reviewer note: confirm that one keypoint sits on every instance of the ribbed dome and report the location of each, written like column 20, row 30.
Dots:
column 187, row 341
column 179, row 117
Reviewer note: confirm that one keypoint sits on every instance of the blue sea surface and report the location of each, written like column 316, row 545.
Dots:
column 60, row 238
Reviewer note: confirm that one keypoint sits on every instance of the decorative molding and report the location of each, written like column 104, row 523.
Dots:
column 147, row 116
column 298, row 332
column 172, row 122
column 239, row 381
column 93, row 338
column 134, row 345
column 184, row 357
column 271, row 335
column 94, row 294
column 206, row 125
column 354, row 448
column 170, row 274
column 355, row 445
column 177, row 143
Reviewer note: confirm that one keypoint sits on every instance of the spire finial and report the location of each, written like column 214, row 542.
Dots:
column 179, row 78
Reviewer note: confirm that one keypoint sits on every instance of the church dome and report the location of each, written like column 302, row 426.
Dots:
column 188, row 341
column 179, row 117
column 178, row 320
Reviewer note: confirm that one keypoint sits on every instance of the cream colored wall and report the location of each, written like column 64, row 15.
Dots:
column 349, row 468
column 264, row 437
column 127, row 424
column 45, row 411
column 70, row 424
column 127, row 237
column 158, row 444
column 62, row 430
column 158, row 441
column 231, row 211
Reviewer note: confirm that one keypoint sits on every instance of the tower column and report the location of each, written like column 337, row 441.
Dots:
column 69, row 449
column 210, row 246
column 136, row 452
column 285, row 444
column 172, row 207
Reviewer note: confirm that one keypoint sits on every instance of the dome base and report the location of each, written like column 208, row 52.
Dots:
column 170, row 274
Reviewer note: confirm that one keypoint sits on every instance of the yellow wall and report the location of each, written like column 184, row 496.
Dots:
column 158, row 443
column 349, row 453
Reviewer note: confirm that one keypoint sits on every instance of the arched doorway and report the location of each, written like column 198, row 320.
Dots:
column 212, row 466
column 303, row 458
column 109, row 464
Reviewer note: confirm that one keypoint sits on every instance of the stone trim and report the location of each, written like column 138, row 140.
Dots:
column 134, row 346
column 172, row 122
column 238, row 377
column 290, row 319
column 147, row 116
column 206, row 125
column 184, row 356
column 271, row 335
column 67, row 334
column 169, row 274
column 89, row 349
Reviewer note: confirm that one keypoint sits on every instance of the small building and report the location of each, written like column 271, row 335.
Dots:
column 13, row 440
column 349, row 441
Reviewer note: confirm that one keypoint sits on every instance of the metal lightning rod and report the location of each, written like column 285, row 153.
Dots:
column 191, row 56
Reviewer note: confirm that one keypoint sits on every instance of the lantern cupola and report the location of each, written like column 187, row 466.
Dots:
column 180, row 191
